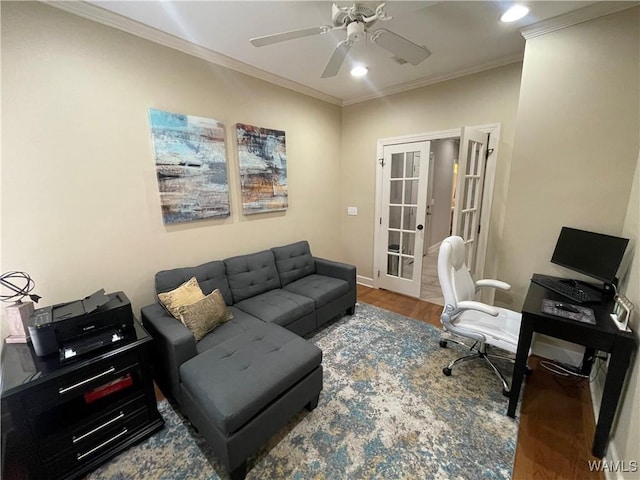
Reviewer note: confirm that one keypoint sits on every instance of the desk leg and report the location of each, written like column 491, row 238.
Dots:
column 616, row 372
column 524, row 344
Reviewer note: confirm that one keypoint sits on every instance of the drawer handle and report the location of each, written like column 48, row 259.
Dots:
column 79, row 384
column 103, row 444
column 98, row 428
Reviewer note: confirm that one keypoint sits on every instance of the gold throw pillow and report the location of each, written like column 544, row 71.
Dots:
column 186, row 294
column 204, row 315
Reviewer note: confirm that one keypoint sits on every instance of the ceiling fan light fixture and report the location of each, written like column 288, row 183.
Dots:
column 359, row 71
column 516, row 12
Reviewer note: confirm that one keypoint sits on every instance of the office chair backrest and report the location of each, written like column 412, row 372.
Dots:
column 455, row 279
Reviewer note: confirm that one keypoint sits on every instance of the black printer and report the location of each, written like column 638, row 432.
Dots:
column 74, row 328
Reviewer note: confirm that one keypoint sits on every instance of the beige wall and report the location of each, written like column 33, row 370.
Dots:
column 576, row 143
column 487, row 97
column 80, row 202
column 626, row 437
column 575, row 153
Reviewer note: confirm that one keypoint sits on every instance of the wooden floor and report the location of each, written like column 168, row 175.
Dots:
column 556, row 419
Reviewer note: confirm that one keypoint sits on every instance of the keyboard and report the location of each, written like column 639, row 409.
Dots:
column 576, row 292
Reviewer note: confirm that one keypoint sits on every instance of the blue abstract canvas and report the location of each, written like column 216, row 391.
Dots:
column 191, row 166
column 262, row 158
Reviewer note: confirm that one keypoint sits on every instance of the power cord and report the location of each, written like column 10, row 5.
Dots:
column 569, row 371
column 600, row 366
column 560, row 369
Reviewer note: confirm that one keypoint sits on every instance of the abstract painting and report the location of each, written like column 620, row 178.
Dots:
column 191, row 166
column 262, row 158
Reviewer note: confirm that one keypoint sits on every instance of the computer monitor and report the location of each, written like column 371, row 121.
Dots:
column 593, row 254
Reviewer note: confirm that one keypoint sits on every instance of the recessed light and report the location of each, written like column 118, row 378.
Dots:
column 514, row 13
column 359, row 71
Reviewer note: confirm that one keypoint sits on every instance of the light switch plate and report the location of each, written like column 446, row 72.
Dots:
column 352, row 210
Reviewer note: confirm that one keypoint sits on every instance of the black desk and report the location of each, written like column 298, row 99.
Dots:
column 604, row 336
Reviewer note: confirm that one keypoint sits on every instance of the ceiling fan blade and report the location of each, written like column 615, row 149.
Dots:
column 292, row 35
column 335, row 62
column 400, row 46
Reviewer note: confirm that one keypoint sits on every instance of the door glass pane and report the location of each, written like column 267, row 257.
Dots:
column 413, row 165
column 397, row 162
column 408, row 242
column 477, row 160
column 469, row 157
column 466, row 204
column 411, row 192
column 467, row 225
column 396, row 191
column 407, row 268
column 394, row 242
column 470, row 193
column 392, row 265
column 394, row 217
column 409, row 218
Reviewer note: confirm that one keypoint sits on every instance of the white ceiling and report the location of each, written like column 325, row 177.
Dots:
column 464, row 37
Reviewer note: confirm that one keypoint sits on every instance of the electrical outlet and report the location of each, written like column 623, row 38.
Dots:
column 352, row 210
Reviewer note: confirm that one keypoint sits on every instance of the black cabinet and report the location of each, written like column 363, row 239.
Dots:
column 71, row 417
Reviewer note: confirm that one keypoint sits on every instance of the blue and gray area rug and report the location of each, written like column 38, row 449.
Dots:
column 386, row 412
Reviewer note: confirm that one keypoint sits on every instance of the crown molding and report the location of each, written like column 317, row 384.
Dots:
column 110, row 19
column 575, row 17
column 425, row 81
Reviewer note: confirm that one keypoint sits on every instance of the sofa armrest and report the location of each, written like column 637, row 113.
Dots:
column 173, row 344
column 343, row 271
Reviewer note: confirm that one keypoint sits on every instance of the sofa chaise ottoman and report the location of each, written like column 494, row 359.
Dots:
column 249, row 376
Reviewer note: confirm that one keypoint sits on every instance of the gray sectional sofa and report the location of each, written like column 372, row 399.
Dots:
column 245, row 379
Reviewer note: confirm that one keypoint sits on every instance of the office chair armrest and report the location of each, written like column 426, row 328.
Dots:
column 478, row 306
column 449, row 312
column 489, row 282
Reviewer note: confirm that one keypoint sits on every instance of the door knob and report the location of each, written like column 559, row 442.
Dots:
column 419, row 227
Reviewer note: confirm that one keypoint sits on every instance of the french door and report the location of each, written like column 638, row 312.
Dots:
column 469, row 191
column 405, row 170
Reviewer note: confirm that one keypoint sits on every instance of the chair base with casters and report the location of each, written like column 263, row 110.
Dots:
column 480, row 352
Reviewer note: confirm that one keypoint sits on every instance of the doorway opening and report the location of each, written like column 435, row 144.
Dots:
column 457, row 191
column 440, row 206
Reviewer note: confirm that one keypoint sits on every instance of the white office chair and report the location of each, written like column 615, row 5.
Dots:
column 465, row 317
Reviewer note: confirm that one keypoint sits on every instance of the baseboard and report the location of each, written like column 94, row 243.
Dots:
column 434, row 248
column 366, row 281
column 555, row 352
column 612, row 458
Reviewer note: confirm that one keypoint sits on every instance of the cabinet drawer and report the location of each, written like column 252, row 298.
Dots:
column 69, row 414
column 104, row 444
column 85, row 432
column 74, row 384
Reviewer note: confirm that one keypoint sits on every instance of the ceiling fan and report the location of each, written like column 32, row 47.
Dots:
column 356, row 20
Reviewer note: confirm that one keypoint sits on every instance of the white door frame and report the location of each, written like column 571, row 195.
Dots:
column 487, row 196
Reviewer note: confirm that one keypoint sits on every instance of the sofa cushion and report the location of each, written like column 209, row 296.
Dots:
column 251, row 275
column 278, row 306
column 294, row 261
column 241, row 322
column 320, row 288
column 236, row 379
column 188, row 292
column 210, row 276
column 204, row 315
